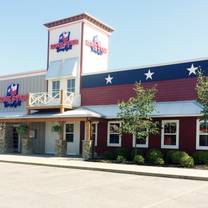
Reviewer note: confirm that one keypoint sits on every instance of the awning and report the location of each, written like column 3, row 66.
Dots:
column 43, row 116
column 62, row 68
column 163, row 109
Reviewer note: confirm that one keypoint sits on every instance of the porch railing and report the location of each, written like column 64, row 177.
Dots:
column 45, row 99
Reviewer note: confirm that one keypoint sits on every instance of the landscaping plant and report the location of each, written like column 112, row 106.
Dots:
column 136, row 113
column 139, row 159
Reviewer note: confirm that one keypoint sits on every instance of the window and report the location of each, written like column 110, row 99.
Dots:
column 71, row 85
column 114, row 138
column 55, row 88
column 140, row 142
column 202, row 135
column 94, row 132
column 170, row 134
column 69, row 132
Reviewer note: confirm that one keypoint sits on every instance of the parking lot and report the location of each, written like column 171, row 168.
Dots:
column 38, row 186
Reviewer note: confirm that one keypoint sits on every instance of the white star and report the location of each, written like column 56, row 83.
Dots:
column 149, row 74
column 109, row 79
column 192, row 69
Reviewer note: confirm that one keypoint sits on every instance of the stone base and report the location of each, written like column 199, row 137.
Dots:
column 61, row 147
column 6, row 143
column 87, row 149
column 26, row 145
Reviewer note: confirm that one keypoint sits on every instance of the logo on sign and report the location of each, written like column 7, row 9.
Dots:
column 64, row 42
column 12, row 99
column 95, row 46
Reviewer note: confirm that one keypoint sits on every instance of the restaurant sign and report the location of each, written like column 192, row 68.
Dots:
column 12, row 98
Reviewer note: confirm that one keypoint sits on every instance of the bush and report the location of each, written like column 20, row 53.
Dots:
column 177, row 155
column 187, row 161
column 153, row 154
column 120, row 158
column 200, row 157
column 159, row 161
column 139, row 159
column 109, row 156
column 122, row 152
column 168, row 156
column 137, row 151
column 180, row 158
column 155, row 157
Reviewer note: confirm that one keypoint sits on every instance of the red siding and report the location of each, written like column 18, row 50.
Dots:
column 170, row 90
column 187, row 136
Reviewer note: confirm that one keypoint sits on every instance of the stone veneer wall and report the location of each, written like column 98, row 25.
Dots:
column 26, row 144
column 6, row 135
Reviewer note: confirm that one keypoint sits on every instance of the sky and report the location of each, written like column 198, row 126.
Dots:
column 146, row 31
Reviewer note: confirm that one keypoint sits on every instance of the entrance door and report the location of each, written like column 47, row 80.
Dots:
column 72, row 137
column 16, row 140
column 50, row 139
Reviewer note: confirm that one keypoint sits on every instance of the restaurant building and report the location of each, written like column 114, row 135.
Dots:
column 80, row 95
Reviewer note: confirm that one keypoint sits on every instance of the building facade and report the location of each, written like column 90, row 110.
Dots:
column 78, row 96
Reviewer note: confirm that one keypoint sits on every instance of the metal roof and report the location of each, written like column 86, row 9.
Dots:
column 163, row 109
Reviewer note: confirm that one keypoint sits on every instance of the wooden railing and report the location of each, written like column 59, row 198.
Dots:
column 40, row 99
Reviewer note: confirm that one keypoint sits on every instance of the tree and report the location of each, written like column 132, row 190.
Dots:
column 136, row 113
column 202, row 96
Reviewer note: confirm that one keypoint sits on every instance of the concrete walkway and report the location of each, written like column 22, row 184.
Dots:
column 76, row 163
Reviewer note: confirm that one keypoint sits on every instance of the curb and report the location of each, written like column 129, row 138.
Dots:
column 198, row 178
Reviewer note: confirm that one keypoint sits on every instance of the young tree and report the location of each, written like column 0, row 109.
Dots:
column 202, row 96
column 135, row 113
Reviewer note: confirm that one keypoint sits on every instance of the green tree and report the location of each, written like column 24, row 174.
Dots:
column 202, row 96
column 135, row 113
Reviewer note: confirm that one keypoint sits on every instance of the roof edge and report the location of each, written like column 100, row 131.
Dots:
column 78, row 17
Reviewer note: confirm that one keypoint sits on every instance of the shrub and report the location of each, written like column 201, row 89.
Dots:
column 200, row 157
column 139, row 159
column 177, row 155
column 122, row 152
column 109, row 156
column 159, row 161
column 187, row 161
column 120, row 158
column 168, row 155
column 180, row 158
column 155, row 157
column 135, row 152
column 153, row 154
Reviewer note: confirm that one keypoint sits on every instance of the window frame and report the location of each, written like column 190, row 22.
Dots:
column 68, row 91
column 176, row 146
column 52, row 89
column 140, row 145
column 198, row 147
column 96, row 131
column 108, row 135
column 65, row 133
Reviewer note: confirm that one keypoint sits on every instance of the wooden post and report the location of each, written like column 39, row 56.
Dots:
column 29, row 103
column 62, row 130
column 88, row 130
column 62, row 101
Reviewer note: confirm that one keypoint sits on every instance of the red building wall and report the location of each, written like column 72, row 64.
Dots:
column 187, row 136
column 168, row 90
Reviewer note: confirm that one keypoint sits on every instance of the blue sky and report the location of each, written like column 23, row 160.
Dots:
column 146, row 31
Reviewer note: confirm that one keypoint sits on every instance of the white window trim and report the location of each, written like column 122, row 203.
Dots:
column 140, row 145
column 96, row 131
column 66, row 132
column 74, row 84
column 198, row 147
column 108, row 139
column 52, row 90
column 177, row 135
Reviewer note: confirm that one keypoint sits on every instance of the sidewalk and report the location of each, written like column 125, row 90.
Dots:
column 76, row 163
